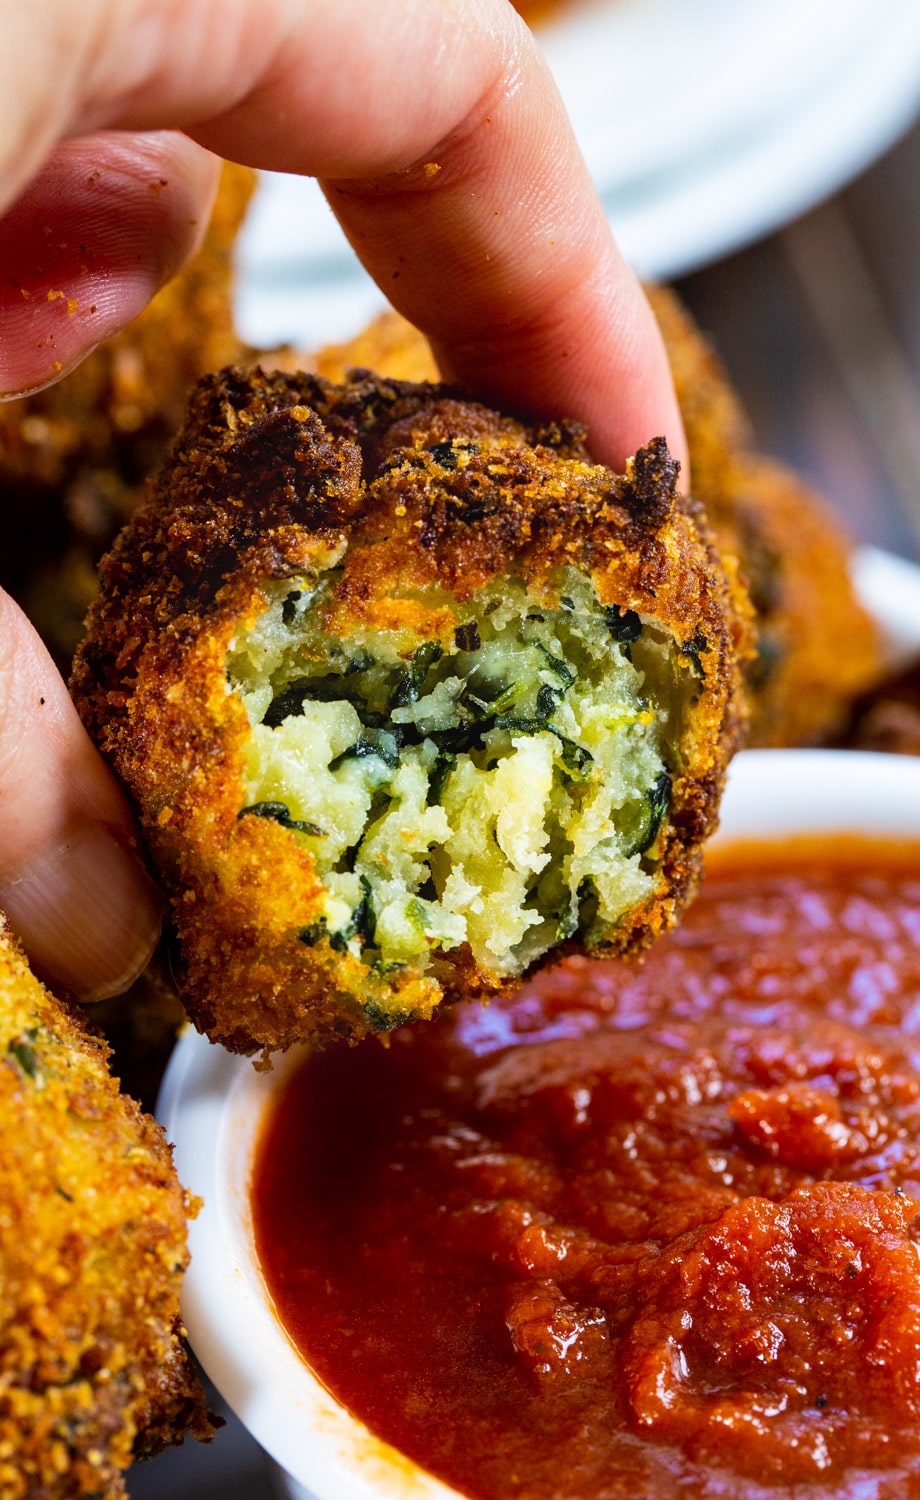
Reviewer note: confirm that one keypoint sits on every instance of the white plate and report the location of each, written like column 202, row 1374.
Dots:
column 651, row 85
column 889, row 588
column 753, row 182
column 705, row 123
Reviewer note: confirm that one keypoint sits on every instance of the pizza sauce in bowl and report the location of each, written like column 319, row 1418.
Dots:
column 637, row 1230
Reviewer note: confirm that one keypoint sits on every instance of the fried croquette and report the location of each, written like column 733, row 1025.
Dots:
column 816, row 647
column 95, row 1371
column 408, row 695
column 74, row 458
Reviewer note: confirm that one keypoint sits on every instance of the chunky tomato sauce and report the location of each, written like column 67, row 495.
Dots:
column 638, row 1231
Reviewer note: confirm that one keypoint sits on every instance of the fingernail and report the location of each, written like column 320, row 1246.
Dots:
column 87, row 914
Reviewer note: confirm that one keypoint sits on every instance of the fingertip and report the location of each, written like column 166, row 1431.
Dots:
column 104, row 224
column 72, row 883
column 86, row 912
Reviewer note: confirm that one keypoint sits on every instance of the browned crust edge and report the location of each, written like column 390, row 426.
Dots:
column 271, row 474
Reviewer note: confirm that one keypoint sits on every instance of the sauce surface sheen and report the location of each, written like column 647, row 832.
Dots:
column 636, row 1230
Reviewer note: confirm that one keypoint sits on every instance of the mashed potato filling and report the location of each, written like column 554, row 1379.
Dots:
column 503, row 788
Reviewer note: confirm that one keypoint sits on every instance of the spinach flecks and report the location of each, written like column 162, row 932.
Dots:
column 384, row 743
column 289, row 607
column 278, row 812
column 417, row 912
column 447, row 453
column 364, row 916
column 379, row 1020
column 558, row 667
column 409, row 688
column 693, row 649
column 574, row 757
column 624, row 624
column 442, row 768
column 361, row 923
column 658, row 798
column 467, row 637
column 287, row 703
column 25, row 1057
column 313, row 934
column 566, row 925
column 462, row 739
column 518, row 724
column 444, row 454
column 547, row 699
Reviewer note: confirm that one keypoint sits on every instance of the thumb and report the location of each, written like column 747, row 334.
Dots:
column 71, row 881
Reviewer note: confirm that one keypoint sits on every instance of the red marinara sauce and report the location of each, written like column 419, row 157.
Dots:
column 635, row 1231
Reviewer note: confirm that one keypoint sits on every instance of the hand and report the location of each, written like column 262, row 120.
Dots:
column 444, row 149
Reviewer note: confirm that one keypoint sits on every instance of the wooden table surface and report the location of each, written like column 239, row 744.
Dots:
column 819, row 327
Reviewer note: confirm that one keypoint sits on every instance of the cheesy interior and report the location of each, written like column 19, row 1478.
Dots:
column 504, row 788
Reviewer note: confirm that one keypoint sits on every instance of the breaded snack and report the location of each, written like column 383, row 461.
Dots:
column 816, row 646
column 388, row 345
column 74, row 458
column 790, row 551
column 93, row 1365
column 407, row 695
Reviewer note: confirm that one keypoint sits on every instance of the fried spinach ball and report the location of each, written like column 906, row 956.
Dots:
column 409, row 696
column 94, row 1370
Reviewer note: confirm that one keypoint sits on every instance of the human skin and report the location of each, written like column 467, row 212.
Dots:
column 444, row 150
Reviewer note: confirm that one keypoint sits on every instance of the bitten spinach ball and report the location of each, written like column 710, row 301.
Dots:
column 410, row 697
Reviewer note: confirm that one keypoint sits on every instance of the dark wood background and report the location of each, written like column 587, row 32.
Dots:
column 819, row 326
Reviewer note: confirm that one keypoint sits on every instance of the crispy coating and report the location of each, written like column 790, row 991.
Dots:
column 272, row 476
column 74, row 458
column 94, row 1366
column 816, row 647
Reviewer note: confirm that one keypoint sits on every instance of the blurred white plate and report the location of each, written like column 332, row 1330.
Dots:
column 889, row 588
column 705, row 123
column 654, row 84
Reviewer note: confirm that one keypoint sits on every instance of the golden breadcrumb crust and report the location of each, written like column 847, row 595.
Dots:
column 94, row 1369
column 270, row 473
column 816, row 646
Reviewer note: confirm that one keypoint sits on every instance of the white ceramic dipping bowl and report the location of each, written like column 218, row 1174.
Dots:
column 212, row 1104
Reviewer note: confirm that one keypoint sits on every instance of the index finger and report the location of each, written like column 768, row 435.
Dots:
column 445, row 151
